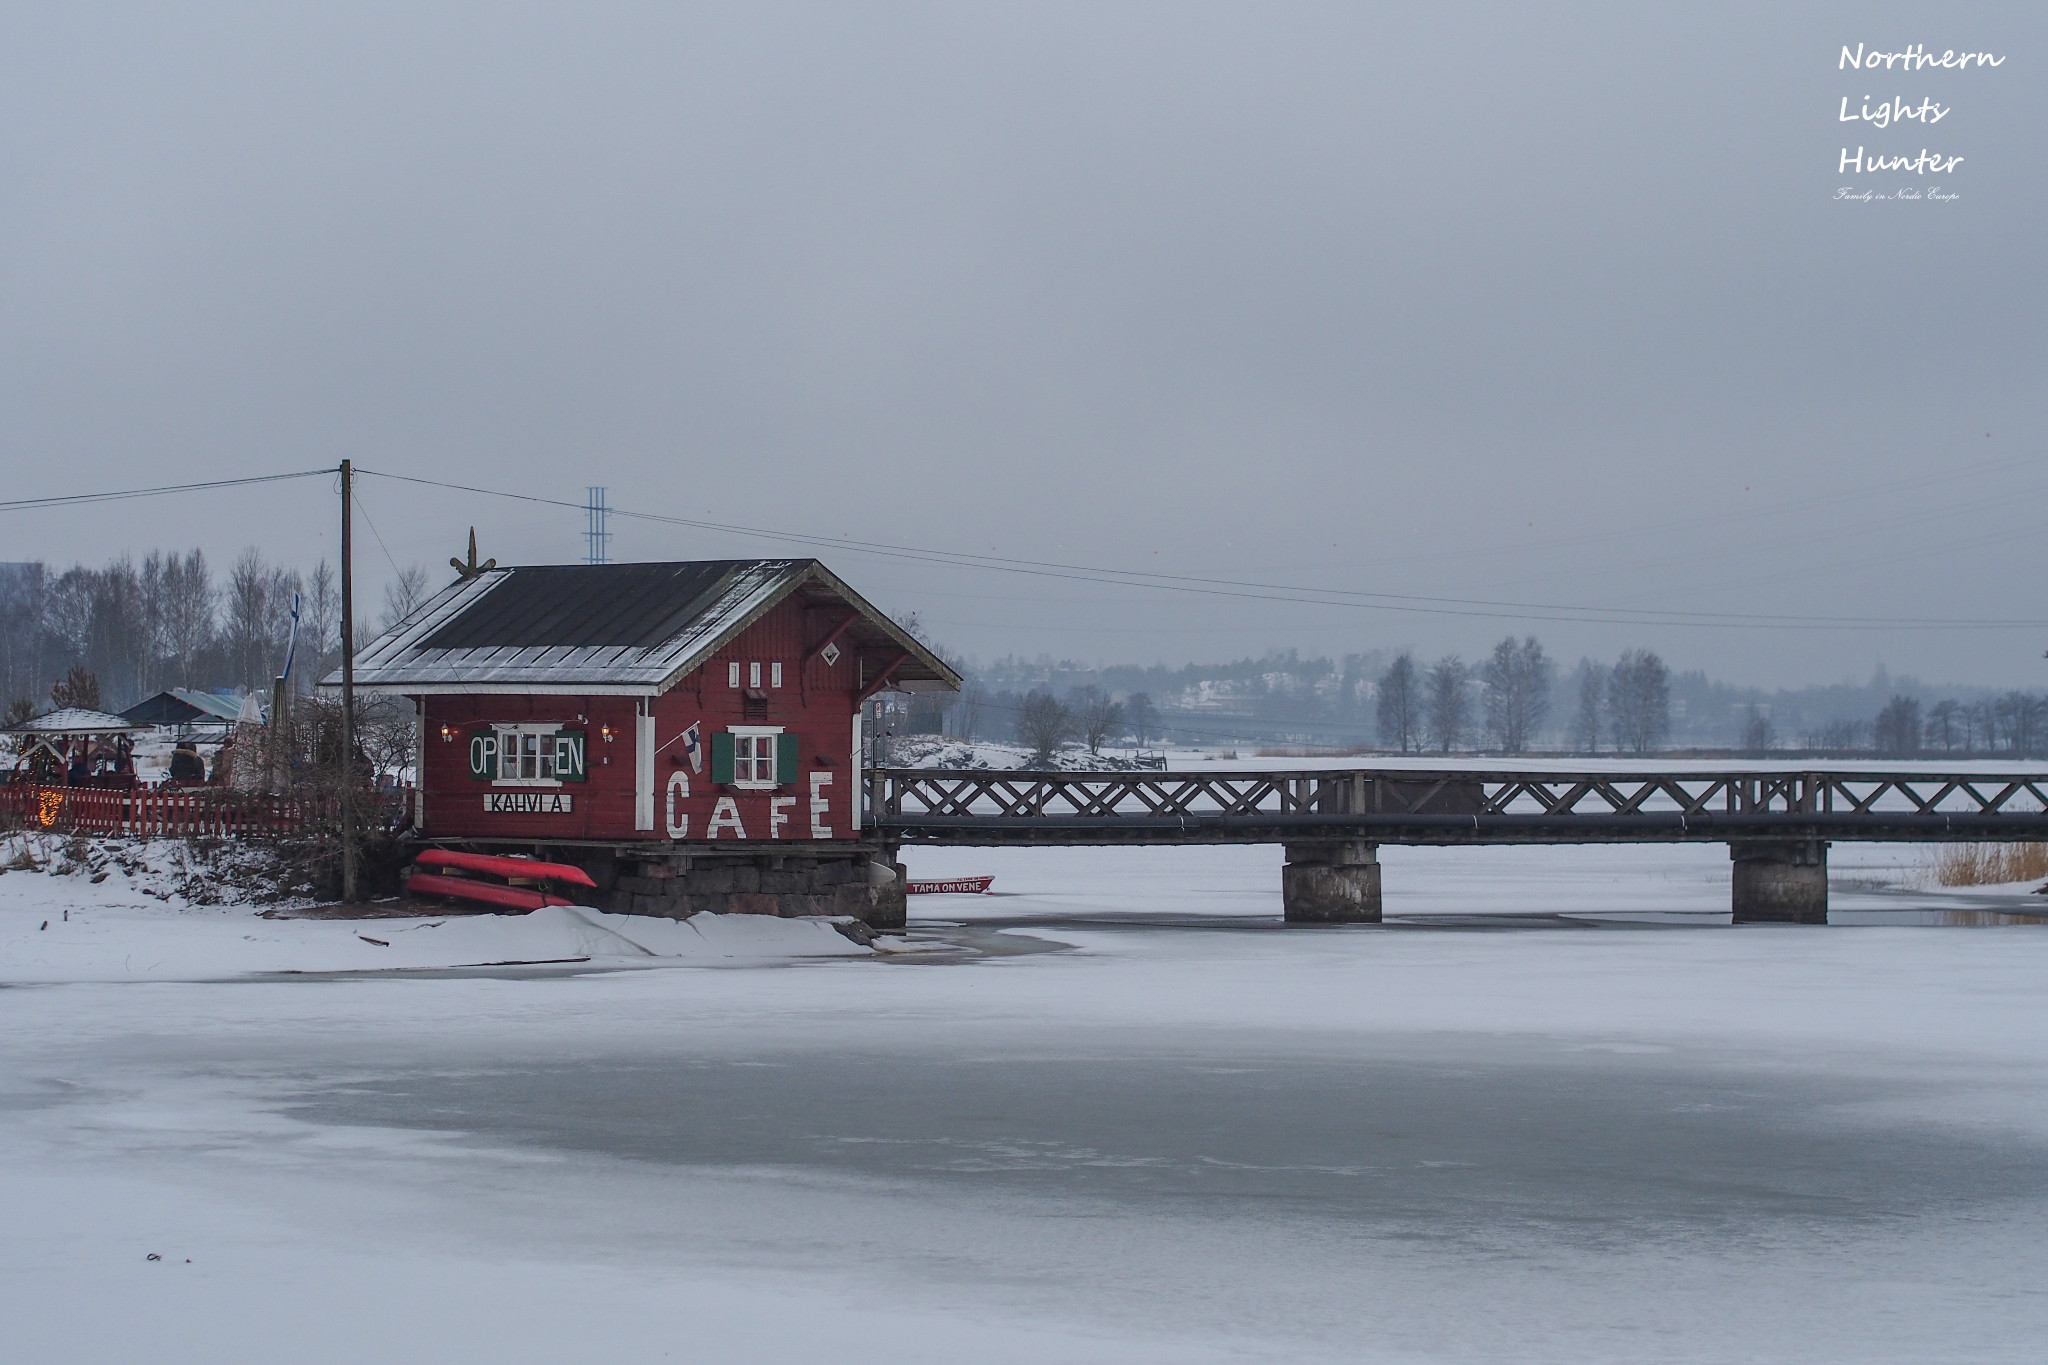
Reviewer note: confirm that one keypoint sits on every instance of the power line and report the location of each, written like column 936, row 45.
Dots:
column 358, row 499
column 74, row 499
column 1253, row 590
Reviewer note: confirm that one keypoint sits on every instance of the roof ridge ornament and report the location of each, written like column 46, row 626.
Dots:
column 471, row 569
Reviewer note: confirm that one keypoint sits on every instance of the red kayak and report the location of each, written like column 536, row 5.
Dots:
column 512, row 869
column 483, row 893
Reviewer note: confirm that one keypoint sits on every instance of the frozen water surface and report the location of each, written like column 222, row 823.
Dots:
column 1523, row 1121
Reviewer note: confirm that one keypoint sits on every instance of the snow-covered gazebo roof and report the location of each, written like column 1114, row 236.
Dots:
column 74, row 720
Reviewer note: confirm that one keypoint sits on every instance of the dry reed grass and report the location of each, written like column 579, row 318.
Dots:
column 1990, row 864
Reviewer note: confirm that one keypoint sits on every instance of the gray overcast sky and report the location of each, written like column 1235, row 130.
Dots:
column 1538, row 304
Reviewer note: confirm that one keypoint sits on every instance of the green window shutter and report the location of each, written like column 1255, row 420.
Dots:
column 483, row 755
column 569, row 755
column 721, row 758
column 788, row 749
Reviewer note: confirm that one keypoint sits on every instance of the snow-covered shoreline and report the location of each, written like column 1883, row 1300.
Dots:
column 133, row 911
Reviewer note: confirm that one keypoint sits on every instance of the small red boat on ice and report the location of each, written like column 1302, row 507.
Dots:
column 524, row 882
column 966, row 886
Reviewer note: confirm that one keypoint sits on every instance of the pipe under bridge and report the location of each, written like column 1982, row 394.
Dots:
column 1777, row 823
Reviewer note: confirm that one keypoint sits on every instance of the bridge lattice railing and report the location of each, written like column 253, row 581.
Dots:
column 910, row 793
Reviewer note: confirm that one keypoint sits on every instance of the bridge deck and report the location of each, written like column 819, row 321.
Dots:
column 1405, row 806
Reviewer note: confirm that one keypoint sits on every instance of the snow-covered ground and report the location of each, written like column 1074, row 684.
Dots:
column 126, row 912
column 1118, row 1113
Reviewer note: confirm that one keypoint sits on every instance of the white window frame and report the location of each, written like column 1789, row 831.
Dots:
column 754, row 675
column 750, row 736
column 544, row 754
column 775, row 674
column 732, row 674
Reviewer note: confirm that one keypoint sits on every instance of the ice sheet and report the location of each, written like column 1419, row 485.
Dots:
column 1183, row 1133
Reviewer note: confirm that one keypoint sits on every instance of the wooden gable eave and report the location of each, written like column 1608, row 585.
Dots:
column 864, row 627
column 884, row 636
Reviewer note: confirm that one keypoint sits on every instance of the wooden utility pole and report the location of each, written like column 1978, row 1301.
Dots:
column 348, row 689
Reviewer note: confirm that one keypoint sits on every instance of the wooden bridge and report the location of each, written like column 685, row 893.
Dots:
column 1777, row 823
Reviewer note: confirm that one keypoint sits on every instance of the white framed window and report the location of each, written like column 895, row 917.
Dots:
column 527, row 755
column 732, row 674
column 775, row 674
column 754, row 755
column 753, row 675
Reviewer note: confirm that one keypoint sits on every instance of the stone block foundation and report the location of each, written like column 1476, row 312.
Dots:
column 864, row 882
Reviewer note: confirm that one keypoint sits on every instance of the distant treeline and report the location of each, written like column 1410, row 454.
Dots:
column 132, row 628
column 1515, row 699
column 113, row 635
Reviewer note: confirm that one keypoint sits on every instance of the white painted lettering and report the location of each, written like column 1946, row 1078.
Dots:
column 678, row 790
column 778, row 814
column 820, row 807
column 725, row 815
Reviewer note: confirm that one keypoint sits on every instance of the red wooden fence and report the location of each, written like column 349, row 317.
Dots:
column 172, row 813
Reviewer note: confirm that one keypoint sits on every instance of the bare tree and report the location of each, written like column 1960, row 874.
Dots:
column 1398, row 707
column 1944, row 725
column 24, row 643
column 1840, row 736
column 404, row 595
column 1586, row 726
column 1447, row 706
column 1517, row 681
column 116, row 643
column 1141, row 715
column 1639, row 700
column 187, row 628
column 259, row 602
column 967, row 711
column 386, row 732
column 1759, row 736
column 156, row 641
column 1096, row 717
column 1897, row 728
column 2017, row 720
column 1044, row 723
column 1981, row 726
column 320, row 624
column 67, row 611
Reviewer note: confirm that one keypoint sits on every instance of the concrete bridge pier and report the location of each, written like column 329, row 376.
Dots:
column 1335, row 882
column 1780, row 881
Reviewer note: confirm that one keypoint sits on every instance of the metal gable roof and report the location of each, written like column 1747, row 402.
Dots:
column 597, row 628
column 74, row 720
column 182, row 706
column 626, row 606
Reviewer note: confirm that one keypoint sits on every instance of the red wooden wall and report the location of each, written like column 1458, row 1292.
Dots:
column 817, row 708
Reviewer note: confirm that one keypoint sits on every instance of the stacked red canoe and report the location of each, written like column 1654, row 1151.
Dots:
column 521, row 883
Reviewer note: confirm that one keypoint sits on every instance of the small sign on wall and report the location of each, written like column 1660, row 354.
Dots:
column 527, row 803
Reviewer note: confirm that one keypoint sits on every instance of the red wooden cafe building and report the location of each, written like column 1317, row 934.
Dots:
column 689, row 732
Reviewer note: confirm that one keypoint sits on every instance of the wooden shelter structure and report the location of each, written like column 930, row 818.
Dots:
column 687, row 731
column 74, row 746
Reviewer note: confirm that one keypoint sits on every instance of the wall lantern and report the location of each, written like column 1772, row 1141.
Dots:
column 606, row 731
column 447, row 734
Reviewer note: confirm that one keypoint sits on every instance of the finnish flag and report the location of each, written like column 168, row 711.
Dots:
column 693, row 747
